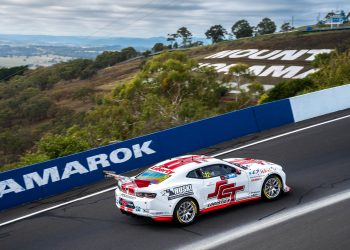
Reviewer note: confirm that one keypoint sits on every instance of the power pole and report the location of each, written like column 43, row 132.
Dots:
column 293, row 21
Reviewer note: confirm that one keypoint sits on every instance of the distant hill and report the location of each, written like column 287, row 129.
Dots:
column 141, row 43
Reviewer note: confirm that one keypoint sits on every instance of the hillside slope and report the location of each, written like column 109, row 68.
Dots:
column 66, row 102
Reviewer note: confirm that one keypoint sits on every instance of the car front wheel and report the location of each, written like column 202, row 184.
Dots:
column 186, row 212
column 272, row 188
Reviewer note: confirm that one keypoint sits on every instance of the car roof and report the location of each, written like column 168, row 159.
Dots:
column 184, row 164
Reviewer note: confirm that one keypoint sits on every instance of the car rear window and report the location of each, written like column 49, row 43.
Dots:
column 152, row 176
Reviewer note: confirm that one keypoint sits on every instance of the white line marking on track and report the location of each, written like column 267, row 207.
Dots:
column 219, row 154
column 217, row 240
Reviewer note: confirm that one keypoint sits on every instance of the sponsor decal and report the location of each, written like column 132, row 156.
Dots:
column 159, row 213
column 127, row 196
column 220, row 202
column 162, row 170
column 259, row 172
column 137, row 209
column 92, row 163
column 230, row 176
column 225, row 190
column 255, row 194
column 256, row 179
column 178, row 192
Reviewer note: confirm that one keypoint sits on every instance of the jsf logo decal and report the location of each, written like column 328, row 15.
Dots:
column 224, row 190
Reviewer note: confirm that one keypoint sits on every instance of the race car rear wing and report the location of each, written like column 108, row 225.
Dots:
column 112, row 174
column 124, row 179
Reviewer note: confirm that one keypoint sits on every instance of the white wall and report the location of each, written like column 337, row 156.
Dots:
column 320, row 103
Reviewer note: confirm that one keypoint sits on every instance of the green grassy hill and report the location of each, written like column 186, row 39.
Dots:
column 58, row 104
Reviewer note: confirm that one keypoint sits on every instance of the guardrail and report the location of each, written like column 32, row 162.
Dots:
column 49, row 178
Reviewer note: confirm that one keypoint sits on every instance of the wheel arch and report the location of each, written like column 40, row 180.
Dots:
column 267, row 176
column 272, row 174
column 187, row 197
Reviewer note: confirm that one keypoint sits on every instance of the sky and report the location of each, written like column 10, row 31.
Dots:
column 151, row 18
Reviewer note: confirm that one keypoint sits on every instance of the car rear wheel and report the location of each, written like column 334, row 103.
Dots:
column 186, row 212
column 272, row 188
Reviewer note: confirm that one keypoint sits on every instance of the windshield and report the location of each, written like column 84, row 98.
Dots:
column 152, row 176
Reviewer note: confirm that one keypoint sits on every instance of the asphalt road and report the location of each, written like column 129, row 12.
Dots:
column 317, row 163
column 327, row 228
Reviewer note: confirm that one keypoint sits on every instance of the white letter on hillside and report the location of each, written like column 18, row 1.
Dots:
column 222, row 54
column 73, row 167
column 48, row 173
column 144, row 148
column 256, row 69
column 279, row 71
column 259, row 57
column 243, row 53
column 126, row 155
column 9, row 186
column 226, row 68
column 94, row 161
column 289, row 55
column 218, row 66
column 315, row 52
column 305, row 74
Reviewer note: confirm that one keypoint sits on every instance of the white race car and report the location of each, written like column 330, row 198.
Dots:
column 182, row 188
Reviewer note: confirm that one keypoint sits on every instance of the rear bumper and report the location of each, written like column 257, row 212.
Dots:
column 141, row 207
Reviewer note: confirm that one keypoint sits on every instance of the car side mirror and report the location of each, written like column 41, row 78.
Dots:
column 238, row 171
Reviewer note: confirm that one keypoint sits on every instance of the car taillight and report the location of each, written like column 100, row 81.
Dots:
column 146, row 195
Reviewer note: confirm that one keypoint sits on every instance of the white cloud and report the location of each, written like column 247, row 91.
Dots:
column 152, row 18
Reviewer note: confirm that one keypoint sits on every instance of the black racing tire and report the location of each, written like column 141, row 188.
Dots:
column 272, row 188
column 185, row 212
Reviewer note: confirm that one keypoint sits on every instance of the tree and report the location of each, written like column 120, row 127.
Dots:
column 240, row 74
column 147, row 53
column 60, row 145
column 185, row 35
column 216, row 33
column 169, row 90
column 242, row 29
column 128, row 53
column 172, row 39
column 158, row 47
column 266, row 26
column 7, row 73
column 286, row 27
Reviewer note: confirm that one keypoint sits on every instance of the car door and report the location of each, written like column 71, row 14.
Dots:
column 223, row 184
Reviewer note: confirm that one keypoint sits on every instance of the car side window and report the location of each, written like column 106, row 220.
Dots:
column 216, row 170
column 196, row 174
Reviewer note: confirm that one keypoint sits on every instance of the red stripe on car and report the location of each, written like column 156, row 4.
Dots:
column 209, row 209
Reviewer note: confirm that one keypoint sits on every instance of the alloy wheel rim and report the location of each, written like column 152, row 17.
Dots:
column 272, row 188
column 187, row 211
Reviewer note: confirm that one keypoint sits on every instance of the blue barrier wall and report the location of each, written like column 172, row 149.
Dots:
column 272, row 115
column 52, row 177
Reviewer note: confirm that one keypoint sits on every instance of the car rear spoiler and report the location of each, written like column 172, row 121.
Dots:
column 123, row 179
column 112, row 174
